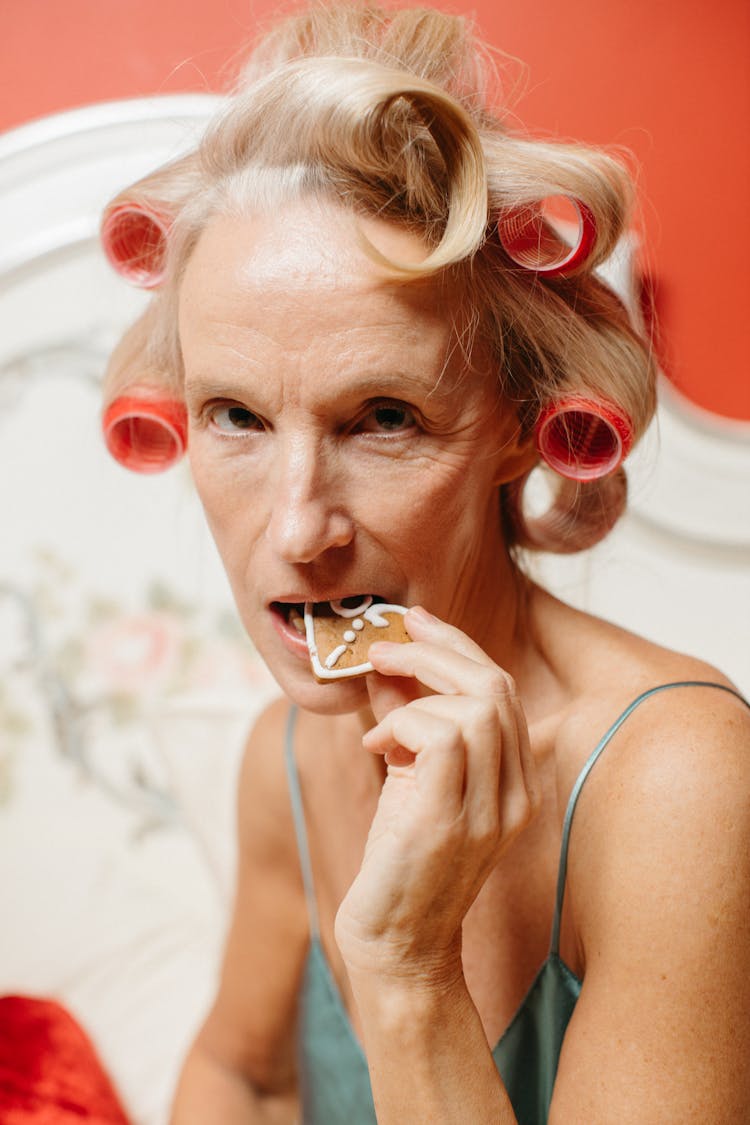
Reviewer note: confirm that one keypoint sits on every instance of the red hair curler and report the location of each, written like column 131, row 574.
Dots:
column 134, row 238
column 145, row 432
column 530, row 236
column 582, row 439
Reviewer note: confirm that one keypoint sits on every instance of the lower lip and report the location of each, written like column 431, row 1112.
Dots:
column 292, row 640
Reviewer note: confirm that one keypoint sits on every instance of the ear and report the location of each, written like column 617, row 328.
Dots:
column 516, row 456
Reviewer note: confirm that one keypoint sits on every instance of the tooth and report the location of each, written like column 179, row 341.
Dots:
column 296, row 620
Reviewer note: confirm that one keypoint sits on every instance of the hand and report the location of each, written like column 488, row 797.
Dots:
column 460, row 786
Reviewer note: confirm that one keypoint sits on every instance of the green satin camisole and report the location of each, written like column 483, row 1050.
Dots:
column 334, row 1079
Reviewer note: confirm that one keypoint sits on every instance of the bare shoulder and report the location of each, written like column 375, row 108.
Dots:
column 250, row 1027
column 269, row 871
column 676, row 762
column 658, row 885
column 613, row 669
column 263, row 792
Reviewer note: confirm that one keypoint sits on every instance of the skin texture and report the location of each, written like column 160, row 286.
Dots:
column 303, row 333
column 342, row 444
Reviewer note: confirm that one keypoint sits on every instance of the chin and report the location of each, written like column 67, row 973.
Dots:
column 335, row 697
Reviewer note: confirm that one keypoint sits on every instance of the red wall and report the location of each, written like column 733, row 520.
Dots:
column 670, row 81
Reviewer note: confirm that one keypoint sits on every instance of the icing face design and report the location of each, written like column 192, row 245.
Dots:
column 338, row 641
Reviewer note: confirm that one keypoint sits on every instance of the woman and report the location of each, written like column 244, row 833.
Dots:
column 370, row 371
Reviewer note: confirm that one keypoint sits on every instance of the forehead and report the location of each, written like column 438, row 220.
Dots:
column 301, row 243
column 291, row 296
column 301, row 254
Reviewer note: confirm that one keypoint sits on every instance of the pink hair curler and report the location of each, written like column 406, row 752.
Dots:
column 582, row 439
column 134, row 238
column 535, row 236
column 145, row 434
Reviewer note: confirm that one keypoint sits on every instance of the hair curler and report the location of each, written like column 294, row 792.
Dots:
column 136, row 223
column 134, row 238
column 144, row 430
column 144, row 420
column 530, row 236
column 583, row 439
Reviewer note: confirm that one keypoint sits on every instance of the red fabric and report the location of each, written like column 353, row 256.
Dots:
column 49, row 1071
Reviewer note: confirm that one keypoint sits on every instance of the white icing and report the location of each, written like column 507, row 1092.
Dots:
column 358, row 624
column 345, row 611
column 350, row 636
column 333, row 657
column 312, row 648
column 375, row 618
column 323, row 673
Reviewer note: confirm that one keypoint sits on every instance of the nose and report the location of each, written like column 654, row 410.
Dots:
column 308, row 515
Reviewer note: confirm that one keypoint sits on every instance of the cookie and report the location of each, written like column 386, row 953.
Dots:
column 339, row 636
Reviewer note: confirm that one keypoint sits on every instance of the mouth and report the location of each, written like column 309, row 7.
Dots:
column 293, row 612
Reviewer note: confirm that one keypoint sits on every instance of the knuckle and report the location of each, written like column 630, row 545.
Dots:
column 524, row 810
column 500, row 683
column 517, row 815
column 445, row 731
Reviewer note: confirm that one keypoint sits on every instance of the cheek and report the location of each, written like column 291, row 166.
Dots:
column 433, row 508
column 227, row 503
column 208, row 485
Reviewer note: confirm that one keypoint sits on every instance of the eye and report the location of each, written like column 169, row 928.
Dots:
column 232, row 419
column 387, row 418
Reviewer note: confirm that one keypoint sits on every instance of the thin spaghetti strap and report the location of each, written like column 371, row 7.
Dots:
column 298, row 815
column 576, row 791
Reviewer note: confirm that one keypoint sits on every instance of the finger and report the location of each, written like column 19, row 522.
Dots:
column 440, row 754
column 424, row 626
column 517, row 782
column 442, row 669
column 527, row 760
column 389, row 692
column 479, row 733
column 501, row 792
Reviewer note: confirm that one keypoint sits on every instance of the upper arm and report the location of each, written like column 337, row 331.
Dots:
column 659, row 882
column 250, row 1027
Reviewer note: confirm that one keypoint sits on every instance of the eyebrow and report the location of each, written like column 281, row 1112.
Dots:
column 367, row 385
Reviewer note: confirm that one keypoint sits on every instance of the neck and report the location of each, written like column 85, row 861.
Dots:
column 498, row 615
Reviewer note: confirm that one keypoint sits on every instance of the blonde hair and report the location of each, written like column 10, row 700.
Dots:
column 385, row 112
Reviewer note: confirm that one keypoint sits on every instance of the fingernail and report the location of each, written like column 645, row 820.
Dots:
column 421, row 614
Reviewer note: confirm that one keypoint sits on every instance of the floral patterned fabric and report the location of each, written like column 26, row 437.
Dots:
column 127, row 687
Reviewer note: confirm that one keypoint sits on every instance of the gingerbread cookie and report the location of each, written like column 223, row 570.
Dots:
column 339, row 636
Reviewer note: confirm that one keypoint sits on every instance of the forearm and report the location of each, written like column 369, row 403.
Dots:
column 209, row 1093
column 428, row 1055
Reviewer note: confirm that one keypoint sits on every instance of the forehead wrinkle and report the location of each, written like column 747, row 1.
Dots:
column 216, row 292
column 376, row 350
